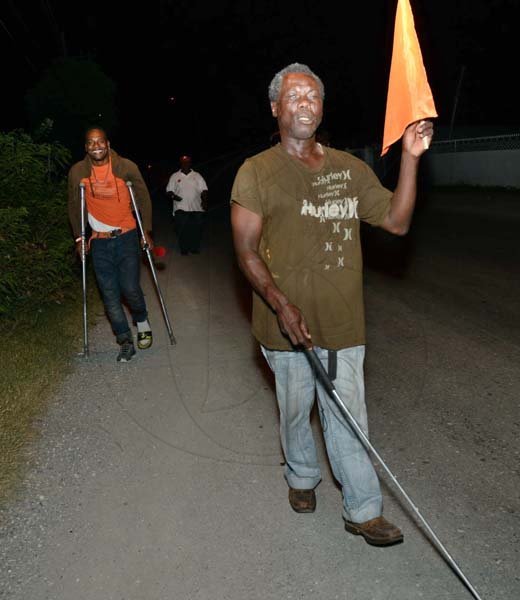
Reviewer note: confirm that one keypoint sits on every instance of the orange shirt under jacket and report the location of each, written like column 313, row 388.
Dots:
column 108, row 198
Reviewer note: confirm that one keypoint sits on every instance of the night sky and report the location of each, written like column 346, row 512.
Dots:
column 192, row 76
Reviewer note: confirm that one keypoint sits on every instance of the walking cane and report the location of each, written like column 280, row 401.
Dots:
column 331, row 390
column 84, row 269
column 146, row 248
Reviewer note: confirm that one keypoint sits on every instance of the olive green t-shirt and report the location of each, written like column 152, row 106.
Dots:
column 310, row 240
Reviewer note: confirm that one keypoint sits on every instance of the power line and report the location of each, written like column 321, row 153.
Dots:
column 13, row 39
column 60, row 34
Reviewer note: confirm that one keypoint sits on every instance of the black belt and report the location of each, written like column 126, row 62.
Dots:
column 109, row 234
column 332, row 364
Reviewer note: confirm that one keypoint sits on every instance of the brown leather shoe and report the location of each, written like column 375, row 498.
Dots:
column 377, row 532
column 302, row 501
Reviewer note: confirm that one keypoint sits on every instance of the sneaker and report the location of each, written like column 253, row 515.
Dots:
column 126, row 351
column 144, row 339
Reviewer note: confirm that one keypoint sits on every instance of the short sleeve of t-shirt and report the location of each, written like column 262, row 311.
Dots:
column 375, row 199
column 202, row 183
column 245, row 189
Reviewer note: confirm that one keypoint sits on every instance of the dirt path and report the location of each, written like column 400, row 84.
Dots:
column 162, row 478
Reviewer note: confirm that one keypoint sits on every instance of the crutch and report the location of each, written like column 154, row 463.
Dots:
column 331, row 390
column 146, row 248
column 84, row 268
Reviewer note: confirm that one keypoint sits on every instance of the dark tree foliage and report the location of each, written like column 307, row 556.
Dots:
column 36, row 249
column 74, row 93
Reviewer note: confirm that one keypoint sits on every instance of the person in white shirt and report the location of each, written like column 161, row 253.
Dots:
column 189, row 194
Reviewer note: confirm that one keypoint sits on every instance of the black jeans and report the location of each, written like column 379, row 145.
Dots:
column 116, row 264
column 188, row 227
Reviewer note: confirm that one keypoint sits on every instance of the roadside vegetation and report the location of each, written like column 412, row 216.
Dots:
column 40, row 292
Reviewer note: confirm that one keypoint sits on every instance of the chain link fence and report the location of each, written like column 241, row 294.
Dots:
column 489, row 160
column 479, row 144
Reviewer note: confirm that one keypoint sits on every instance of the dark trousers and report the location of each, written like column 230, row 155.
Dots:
column 188, row 227
column 116, row 264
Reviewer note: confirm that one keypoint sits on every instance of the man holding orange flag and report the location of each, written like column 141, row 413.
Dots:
column 296, row 211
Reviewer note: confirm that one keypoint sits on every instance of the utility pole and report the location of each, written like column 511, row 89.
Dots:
column 63, row 44
column 457, row 94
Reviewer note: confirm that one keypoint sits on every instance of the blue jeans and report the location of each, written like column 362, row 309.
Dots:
column 296, row 385
column 117, row 263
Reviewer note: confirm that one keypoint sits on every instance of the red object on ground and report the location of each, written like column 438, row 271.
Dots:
column 159, row 251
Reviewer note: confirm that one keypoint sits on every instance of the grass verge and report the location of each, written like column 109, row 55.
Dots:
column 35, row 356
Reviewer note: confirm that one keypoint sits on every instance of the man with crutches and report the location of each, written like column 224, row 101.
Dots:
column 296, row 211
column 114, row 246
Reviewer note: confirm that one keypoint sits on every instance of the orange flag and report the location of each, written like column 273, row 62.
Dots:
column 409, row 96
